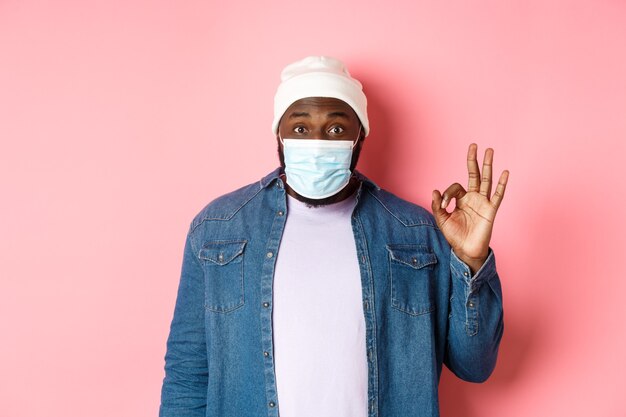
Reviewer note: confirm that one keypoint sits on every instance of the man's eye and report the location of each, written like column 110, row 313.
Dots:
column 336, row 130
column 299, row 129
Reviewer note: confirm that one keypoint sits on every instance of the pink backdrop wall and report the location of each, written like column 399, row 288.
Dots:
column 119, row 120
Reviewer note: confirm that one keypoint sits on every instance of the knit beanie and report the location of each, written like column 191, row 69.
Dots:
column 319, row 76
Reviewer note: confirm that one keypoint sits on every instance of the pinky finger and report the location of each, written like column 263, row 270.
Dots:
column 498, row 195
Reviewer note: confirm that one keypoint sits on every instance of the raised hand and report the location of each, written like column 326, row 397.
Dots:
column 468, row 227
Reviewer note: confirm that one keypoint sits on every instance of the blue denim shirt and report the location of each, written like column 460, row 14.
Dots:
column 422, row 307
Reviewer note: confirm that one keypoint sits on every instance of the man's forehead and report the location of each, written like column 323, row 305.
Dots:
column 327, row 104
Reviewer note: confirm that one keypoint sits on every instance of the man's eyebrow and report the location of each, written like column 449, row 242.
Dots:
column 341, row 114
column 338, row 114
column 299, row 114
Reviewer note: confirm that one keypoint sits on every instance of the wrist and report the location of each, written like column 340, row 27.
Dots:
column 474, row 263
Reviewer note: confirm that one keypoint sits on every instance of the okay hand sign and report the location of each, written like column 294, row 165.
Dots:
column 468, row 228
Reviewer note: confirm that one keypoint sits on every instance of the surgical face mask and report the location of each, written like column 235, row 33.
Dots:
column 318, row 168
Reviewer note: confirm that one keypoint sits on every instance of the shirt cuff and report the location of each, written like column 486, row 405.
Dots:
column 461, row 270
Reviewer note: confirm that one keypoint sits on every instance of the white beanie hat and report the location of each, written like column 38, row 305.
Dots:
column 319, row 76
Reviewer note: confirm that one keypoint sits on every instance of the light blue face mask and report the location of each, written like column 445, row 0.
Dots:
column 318, row 168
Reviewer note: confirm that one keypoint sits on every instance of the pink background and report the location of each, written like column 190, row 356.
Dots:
column 120, row 120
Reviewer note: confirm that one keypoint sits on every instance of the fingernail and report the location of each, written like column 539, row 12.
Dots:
column 443, row 203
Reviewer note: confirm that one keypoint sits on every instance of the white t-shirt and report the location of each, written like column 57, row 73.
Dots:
column 318, row 321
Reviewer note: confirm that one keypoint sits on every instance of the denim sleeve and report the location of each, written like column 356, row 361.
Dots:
column 475, row 321
column 184, row 390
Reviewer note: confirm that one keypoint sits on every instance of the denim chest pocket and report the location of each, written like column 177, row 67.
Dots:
column 223, row 272
column 411, row 274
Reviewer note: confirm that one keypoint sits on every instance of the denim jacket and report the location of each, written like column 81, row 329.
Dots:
column 422, row 307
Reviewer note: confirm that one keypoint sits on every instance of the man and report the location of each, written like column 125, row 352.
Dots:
column 313, row 292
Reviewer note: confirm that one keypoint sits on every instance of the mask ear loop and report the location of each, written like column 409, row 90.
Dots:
column 358, row 136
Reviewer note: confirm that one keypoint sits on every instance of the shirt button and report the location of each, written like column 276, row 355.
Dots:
column 272, row 404
column 465, row 273
column 266, row 304
column 269, row 254
column 220, row 257
column 266, row 354
column 471, row 304
column 414, row 261
column 280, row 213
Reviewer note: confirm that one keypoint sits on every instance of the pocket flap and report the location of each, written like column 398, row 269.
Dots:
column 222, row 252
column 415, row 256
